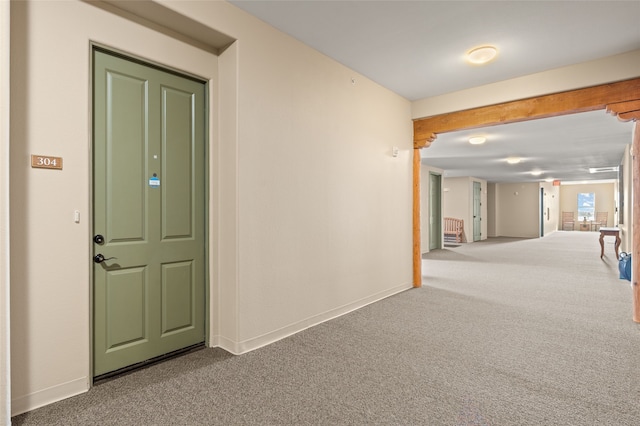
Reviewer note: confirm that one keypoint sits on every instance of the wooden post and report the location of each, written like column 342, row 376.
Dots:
column 417, row 254
column 635, row 258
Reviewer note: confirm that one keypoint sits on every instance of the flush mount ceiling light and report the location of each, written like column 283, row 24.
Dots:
column 481, row 55
column 477, row 140
column 514, row 160
column 536, row 172
column 603, row 169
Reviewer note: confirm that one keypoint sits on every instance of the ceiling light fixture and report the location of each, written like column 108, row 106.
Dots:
column 477, row 140
column 514, row 160
column 603, row 169
column 482, row 55
column 536, row 172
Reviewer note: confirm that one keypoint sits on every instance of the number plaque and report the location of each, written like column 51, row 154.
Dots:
column 46, row 162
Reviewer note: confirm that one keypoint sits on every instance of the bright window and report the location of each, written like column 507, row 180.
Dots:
column 586, row 205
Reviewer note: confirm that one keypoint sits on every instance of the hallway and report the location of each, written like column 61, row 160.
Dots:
column 505, row 331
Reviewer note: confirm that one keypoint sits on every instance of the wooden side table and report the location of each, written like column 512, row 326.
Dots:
column 615, row 232
column 585, row 226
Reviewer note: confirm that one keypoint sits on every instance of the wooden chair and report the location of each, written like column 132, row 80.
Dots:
column 568, row 221
column 453, row 230
column 601, row 221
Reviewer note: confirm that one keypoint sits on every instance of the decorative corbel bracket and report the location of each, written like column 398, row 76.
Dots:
column 424, row 143
column 625, row 111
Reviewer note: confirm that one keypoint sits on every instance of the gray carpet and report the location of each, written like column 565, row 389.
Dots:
column 504, row 332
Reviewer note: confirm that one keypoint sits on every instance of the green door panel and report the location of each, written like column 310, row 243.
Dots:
column 477, row 211
column 177, row 145
column 435, row 212
column 125, row 201
column 125, row 306
column 149, row 204
column 178, row 294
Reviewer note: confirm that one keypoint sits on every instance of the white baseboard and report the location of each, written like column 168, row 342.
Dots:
column 62, row 391
column 48, row 396
column 238, row 348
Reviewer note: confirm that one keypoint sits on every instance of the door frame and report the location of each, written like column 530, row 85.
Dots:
column 93, row 46
column 477, row 224
column 439, row 210
column 620, row 99
column 542, row 212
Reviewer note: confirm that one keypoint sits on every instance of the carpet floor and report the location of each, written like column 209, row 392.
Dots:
column 503, row 332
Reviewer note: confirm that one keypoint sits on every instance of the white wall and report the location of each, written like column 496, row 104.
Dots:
column 310, row 212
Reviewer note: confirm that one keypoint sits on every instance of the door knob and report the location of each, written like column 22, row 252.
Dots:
column 99, row 258
column 98, row 239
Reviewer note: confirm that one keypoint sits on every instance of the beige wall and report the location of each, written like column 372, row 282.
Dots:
column 458, row 203
column 491, row 210
column 512, row 215
column 5, row 371
column 518, row 210
column 605, row 199
column 310, row 212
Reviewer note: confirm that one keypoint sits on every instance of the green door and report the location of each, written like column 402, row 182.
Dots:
column 477, row 212
column 435, row 219
column 149, row 212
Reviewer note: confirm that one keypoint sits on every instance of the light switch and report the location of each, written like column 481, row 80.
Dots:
column 76, row 216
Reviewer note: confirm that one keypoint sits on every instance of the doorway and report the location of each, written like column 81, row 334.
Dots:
column 149, row 212
column 617, row 98
column 477, row 211
column 435, row 211
column 542, row 212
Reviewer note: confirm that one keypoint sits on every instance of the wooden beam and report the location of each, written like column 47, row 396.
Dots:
column 581, row 100
column 417, row 253
column 626, row 111
column 635, row 258
column 620, row 98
